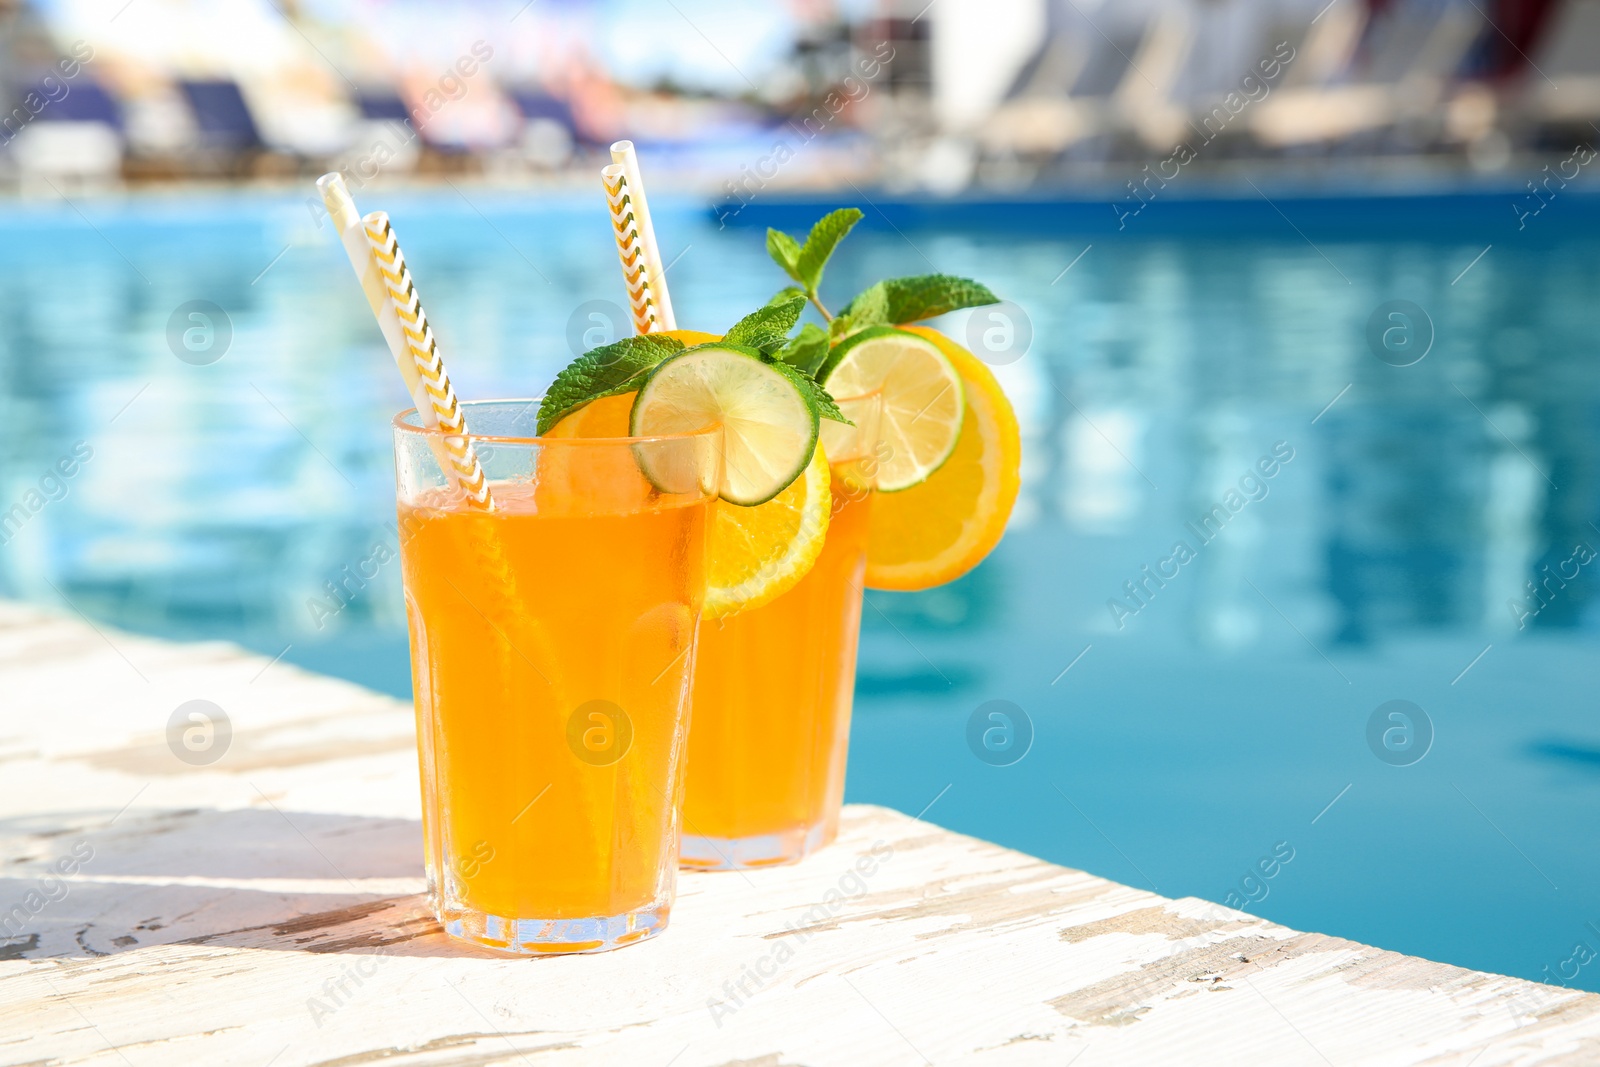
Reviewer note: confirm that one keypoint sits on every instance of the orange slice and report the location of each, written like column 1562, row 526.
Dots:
column 941, row 528
column 756, row 554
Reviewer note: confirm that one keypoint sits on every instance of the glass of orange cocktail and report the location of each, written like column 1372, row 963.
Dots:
column 774, row 685
column 552, row 640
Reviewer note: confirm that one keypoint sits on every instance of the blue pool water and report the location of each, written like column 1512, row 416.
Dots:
column 1177, row 747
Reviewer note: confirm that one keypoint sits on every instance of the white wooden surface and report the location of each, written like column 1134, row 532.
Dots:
column 265, row 911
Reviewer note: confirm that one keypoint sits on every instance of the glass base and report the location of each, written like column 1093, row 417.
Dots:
column 548, row 937
column 746, row 853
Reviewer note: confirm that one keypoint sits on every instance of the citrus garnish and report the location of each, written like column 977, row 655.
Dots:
column 752, row 554
column 923, row 401
column 769, row 419
column 756, row 554
column 938, row 530
column 608, row 416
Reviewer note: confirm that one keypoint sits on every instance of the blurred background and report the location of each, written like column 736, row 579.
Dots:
column 944, row 96
column 1360, row 234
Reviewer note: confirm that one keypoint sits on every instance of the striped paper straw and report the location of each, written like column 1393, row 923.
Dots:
column 623, row 155
column 455, row 454
column 630, row 248
column 436, row 398
column 347, row 221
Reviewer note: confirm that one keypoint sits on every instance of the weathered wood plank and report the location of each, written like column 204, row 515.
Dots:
column 267, row 909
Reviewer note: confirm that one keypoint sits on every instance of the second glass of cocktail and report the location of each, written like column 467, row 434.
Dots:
column 774, row 686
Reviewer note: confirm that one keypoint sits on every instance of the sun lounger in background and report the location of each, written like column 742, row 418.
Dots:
column 1285, row 52
column 302, row 115
column 75, row 142
column 1146, row 104
column 549, row 132
column 1559, row 95
column 225, row 133
column 268, row 121
column 1412, row 55
column 380, row 137
column 480, row 120
column 1085, row 82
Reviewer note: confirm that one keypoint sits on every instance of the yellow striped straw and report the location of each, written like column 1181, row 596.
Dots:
column 437, row 404
column 654, row 273
column 641, row 302
column 347, row 221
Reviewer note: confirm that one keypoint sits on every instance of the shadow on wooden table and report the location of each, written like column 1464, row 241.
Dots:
column 253, row 878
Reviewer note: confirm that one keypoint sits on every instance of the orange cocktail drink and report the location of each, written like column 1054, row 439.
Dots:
column 773, row 691
column 552, row 640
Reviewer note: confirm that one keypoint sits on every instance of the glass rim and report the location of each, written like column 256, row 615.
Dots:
column 401, row 425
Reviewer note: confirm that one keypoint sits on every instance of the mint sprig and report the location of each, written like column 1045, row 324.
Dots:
column 923, row 296
column 785, row 252
column 869, row 308
column 805, row 262
column 807, row 350
column 820, row 243
column 602, row 372
column 767, row 328
column 893, row 302
column 621, row 367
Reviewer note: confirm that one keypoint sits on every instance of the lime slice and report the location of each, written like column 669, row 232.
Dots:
column 923, row 401
column 769, row 425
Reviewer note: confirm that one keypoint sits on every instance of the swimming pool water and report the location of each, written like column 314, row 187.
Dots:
column 1187, row 740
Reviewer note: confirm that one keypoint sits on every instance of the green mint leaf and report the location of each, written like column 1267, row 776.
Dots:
column 820, row 243
column 767, row 327
column 785, row 252
column 602, row 372
column 815, row 395
column 786, row 294
column 928, row 295
column 807, row 350
column 869, row 308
